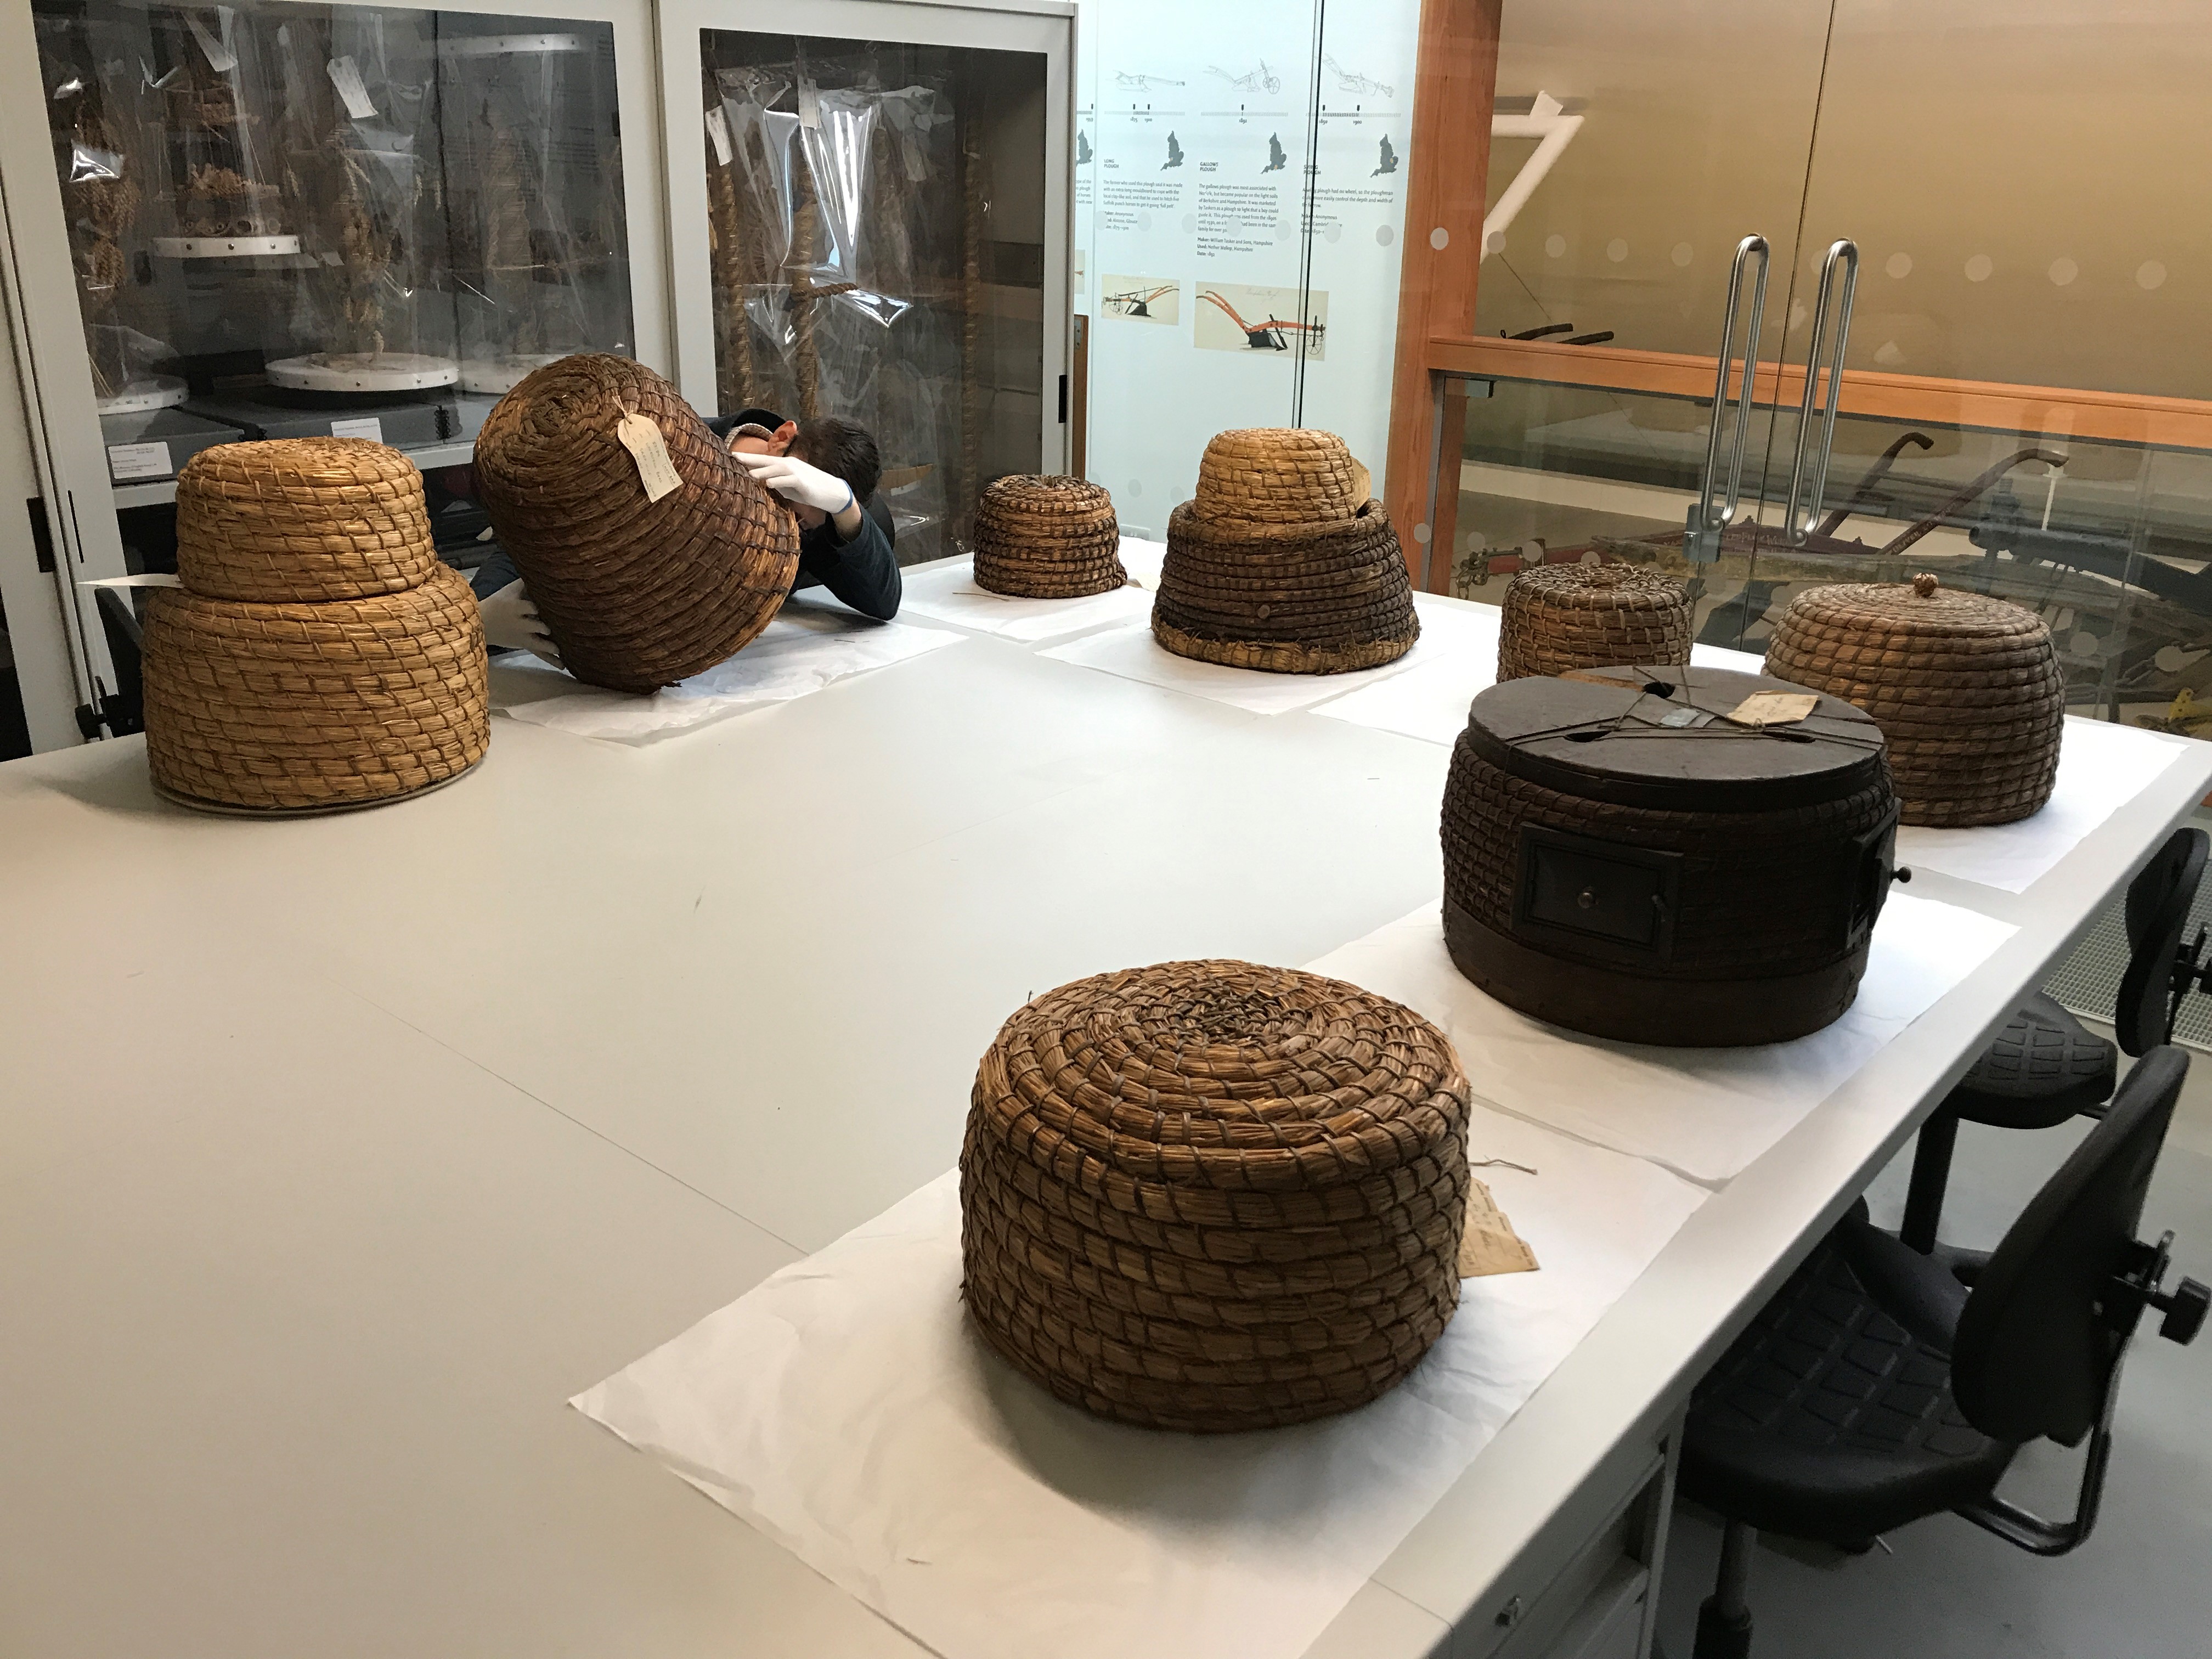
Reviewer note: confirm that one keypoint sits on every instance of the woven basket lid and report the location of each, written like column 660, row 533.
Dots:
column 295, row 707
column 301, row 519
column 1605, row 734
column 1267, row 476
column 1047, row 537
column 637, row 594
column 1210, row 1196
column 1902, row 636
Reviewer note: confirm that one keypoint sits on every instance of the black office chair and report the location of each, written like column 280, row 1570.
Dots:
column 1876, row 1389
column 2044, row 1066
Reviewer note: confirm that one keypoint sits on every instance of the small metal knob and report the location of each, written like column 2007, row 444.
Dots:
column 1509, row 1614
column 1587, row 899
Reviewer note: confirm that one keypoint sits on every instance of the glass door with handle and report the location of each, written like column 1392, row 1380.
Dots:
column 1618, row 399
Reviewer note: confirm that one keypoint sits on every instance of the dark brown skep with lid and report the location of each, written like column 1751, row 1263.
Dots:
column 1622, row 861
column 1048, row 538
column 637, row 594
column 1966, row 687
column 1562, row 616
column 1211, row 1196
column 1282, row 562
column 318, row 655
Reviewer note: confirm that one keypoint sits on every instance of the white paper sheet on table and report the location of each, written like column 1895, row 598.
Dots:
column 2101, row 767
column 949, row 594
column 1430, row 701
column 807, row 645
column 1448, row 631
column 1704, row 1113
column 845, row 1408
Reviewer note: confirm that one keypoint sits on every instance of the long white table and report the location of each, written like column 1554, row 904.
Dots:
column 337, row 1154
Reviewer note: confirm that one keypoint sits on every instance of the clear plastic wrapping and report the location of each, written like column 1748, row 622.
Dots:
column 865, row 265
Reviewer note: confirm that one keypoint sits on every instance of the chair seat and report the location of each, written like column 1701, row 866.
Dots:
column 2042, row 1068
column 1828, row 1420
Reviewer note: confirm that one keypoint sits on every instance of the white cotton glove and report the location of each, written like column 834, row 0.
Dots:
column 797, row 483
column 511, row 621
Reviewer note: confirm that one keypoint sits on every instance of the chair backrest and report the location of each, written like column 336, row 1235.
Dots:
column 2040, row 1337
column 2159, row 899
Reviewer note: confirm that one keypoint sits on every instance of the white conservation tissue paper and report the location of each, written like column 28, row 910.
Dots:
column 1704, row 1113
column 845, row 1408
column 1448, row 630
column 807, row 645
column 1430, row 701
column 2101, row 767
column 948, row 593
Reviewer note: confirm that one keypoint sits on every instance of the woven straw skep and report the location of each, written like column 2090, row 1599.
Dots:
column 1966, row 689
column 301, row 519
column 1210, row 1196
column 295, row 707
column 1282, row 475
column 1559, row 617
column 1042, row 537
column 636, row 594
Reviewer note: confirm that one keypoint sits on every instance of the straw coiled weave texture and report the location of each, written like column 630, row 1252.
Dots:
column 1278, row 474
column 1048, row 538
column 1563, row 617
column 1211, row 1196
column 298, row 707
column 1966, row 689
column 636, row 594
column 301, row 519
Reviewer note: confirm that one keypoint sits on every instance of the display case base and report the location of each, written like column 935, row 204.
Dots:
column 385, row 371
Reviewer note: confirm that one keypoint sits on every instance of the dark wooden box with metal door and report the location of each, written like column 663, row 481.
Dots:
column 1623, row 859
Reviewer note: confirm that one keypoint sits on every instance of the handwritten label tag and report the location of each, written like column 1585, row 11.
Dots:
column 717, row 130
column 1774, row 707
column 809, row 104
column 220, row 57
column 345, row 75
column 368, row 426
column 1489, row 1244
column 646, row 447
column 128, row 461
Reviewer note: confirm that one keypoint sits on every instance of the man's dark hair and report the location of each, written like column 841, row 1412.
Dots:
column 842, row 450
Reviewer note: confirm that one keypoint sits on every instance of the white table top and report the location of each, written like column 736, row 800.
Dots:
column 339, row 1154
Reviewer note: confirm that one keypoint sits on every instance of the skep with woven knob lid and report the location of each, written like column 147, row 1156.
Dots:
column 1211, row 1196
column 636, row 593
column 1282, row 562
column 1967, row 690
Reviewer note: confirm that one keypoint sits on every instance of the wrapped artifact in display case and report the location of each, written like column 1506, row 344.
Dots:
column 1694, row 861
column 1967, row 689
column 1274, row 1163
column 877, row 238
column 318, row 655
column 294, row 220
column 1047, row 539
column 1283, row 562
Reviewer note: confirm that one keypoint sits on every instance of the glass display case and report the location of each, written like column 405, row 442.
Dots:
column 297, row 220
column 878, row 232
column 1955, row 352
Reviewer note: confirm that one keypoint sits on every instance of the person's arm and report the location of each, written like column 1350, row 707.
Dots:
column 852, row 557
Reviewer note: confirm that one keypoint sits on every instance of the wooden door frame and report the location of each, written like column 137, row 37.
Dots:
column 1447, row 175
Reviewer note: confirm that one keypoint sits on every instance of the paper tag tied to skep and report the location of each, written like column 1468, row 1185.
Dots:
column 1773, row 708
column 641, row 437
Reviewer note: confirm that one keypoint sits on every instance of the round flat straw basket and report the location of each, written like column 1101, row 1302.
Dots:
column 1320, row 598
column 288, row 707
column 1279, row 476
column 1210, row 1196
column 1047, row 539
column 301, row 520
column 637, row 594
column 1966, row 689
column 1563, row 617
